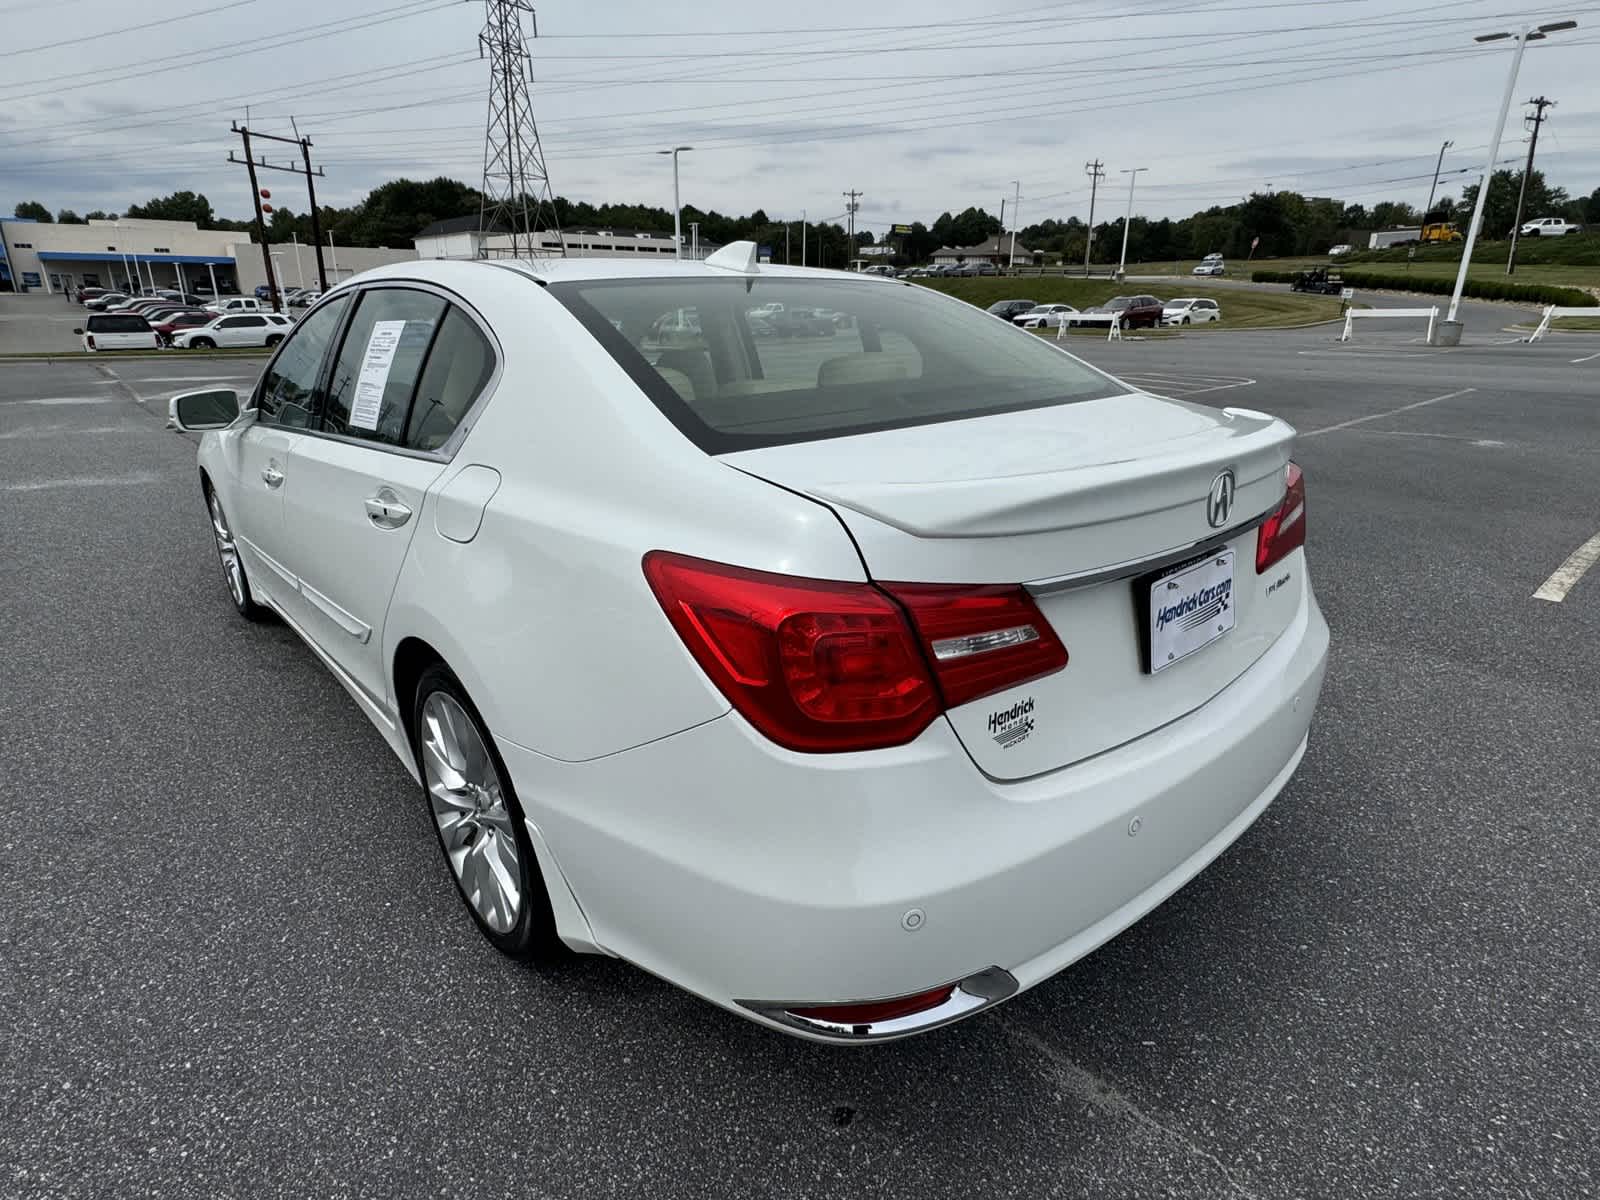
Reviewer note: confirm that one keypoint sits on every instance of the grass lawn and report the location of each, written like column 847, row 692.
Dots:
column 1572, row 261
column 1241, row 308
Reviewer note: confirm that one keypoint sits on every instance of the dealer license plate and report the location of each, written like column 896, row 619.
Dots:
column 1190, row 608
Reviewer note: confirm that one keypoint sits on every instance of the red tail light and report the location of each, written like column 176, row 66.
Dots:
column 820, row 665
column 980, row 639
column 89, row 341
column 813, row 664
column 1284, row 530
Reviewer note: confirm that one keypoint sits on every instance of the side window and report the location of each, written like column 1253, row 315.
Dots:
column 231, row 323
column 459, row 366
column 288, row 393
column 369, row 395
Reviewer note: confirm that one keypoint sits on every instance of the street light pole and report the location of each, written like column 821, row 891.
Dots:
column 1133, row 177
column 1522, row 39
column 677, row 206
column 1437, row 167
column 802, row 237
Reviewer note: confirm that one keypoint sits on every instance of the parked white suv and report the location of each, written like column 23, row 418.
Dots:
column 1550, row 227
column 239, row 329
column 118, row 331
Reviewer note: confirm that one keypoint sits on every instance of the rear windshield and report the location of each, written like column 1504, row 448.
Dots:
column 734, row 371
column 118, row 323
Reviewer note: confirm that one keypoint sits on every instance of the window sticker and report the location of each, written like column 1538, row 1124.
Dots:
column 376, row 364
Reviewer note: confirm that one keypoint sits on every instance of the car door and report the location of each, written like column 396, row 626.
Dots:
column 361, row 484
column 286, row 402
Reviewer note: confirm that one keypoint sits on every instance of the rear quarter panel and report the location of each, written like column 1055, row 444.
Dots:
column 545, row 615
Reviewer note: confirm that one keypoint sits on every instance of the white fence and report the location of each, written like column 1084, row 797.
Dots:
column 1554, row 313
column 1364, row 314
column 1112, row 319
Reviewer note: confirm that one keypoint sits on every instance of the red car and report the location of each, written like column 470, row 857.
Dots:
column 178, row 321
column 1135, row 310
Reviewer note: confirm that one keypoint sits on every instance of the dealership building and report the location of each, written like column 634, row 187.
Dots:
column 49, row 259
column 460, row 237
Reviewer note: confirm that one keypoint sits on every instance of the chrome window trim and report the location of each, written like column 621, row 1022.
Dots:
column 446, row 452
column 1140, row 566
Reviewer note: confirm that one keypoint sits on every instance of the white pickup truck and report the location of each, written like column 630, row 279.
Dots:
column 1549, row 227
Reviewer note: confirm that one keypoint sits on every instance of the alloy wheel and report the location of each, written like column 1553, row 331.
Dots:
column 469, row 807
column 227, row 551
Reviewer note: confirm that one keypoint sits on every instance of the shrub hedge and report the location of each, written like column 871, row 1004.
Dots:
column 1481, row 289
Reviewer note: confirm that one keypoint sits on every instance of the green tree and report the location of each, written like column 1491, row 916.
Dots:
column 180, row 206
column 1500, row 210
column 32, row 208
column 98, row 215
column 1591, row 207
column 67, row 217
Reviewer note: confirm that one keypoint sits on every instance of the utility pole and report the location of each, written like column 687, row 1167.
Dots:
column 261, row 220
column 1016, row 207
column 1539, row 105
column 316, row 223
column 853, row 197
column 311, row 192
column 1096, row 172
column 802, row 237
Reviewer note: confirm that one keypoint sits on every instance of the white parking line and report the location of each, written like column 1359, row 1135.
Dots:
column 1566, row 576
column 54, row 400
column 1389, row 413
column 1590, row 358
column 73, row 431
column 82, row 481
column 1568, row 573
column 1182, row 384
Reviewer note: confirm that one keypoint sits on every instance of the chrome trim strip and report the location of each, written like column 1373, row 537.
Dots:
column 972, row 994
column 348, row 622
column 1141, row 566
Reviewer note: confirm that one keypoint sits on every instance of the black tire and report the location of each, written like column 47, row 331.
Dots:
column 1185, row 321
column 202, row 344
column 533, row 935
column 238, row 587
column 273, row 339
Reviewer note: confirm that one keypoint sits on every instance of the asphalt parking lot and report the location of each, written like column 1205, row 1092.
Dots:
column 233, row 964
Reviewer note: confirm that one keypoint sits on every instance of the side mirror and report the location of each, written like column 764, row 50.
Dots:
column 79, row 332
column 192, row 412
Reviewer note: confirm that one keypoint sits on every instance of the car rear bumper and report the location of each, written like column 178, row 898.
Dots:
column 763, row 879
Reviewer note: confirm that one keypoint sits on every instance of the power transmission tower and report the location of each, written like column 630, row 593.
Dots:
column 853, row 197
column 1539, row 105
column 1096, row 172
column 514, row 175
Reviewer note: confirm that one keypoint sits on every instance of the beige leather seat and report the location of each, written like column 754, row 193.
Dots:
column 859, row 368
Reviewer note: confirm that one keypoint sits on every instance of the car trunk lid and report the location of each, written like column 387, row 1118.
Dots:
column 1087, row 504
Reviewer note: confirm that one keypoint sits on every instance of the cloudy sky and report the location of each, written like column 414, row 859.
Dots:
column 922, row 106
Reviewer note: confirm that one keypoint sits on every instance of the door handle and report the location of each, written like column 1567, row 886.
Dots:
column 271, row 476
column 386, row 511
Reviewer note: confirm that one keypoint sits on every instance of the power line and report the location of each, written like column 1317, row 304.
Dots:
column 95, row 37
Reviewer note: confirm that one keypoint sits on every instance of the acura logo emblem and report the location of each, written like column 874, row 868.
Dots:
column 1219, row 503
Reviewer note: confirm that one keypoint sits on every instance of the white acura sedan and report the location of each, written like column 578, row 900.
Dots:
column 855, row 683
